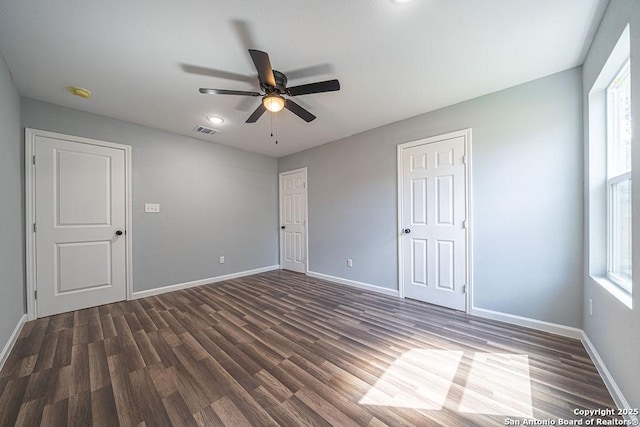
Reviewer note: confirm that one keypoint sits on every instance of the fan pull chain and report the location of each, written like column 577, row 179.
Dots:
column 276, row 129
column 276, row 126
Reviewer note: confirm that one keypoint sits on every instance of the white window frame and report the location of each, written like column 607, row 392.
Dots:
column 615, row 177
column 604, row 172
column 622, row 281
column 612, row 180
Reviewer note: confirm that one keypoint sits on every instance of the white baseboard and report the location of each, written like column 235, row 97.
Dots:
column 613, row 388
column 540, row 325
column 177, row 287
column 565, row 331
column 355, row 284
column 12, row 340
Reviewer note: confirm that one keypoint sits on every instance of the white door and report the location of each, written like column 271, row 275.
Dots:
column 293, row 220
column 80, row 204
column 433, row 203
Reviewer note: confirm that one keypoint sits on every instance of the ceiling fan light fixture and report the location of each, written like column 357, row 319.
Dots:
column 273, row 103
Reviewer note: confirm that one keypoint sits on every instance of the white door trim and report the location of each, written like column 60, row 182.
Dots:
column 466, row 134
column 30, row 213
column 306, row 220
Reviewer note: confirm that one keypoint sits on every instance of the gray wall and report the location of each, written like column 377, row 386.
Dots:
column 614, row 329
column 214, row 200
column 527, row 198
column 12, row 305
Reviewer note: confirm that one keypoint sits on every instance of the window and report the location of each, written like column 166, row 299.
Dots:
column 609, row 174
column 619, row 178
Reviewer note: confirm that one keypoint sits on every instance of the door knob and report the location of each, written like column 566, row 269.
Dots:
column 282, row 226
column 119, row 233
column 407, row 230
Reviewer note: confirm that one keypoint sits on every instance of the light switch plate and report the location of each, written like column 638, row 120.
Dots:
column 152, row 207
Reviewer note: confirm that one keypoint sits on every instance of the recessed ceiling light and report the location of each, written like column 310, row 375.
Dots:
column 79, row 91
column 215, row 120
column 401, row 1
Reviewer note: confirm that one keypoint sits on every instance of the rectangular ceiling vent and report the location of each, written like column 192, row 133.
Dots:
column 205, row 130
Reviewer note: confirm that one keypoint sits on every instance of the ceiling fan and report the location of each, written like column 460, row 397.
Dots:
column 274, row 85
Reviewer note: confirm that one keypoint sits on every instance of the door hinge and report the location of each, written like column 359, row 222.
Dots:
column 464, row 289
column 465, row 159
column 304, row 185
column 35, row 227
column 35, row 294
column 33, row 159
column 464, row 224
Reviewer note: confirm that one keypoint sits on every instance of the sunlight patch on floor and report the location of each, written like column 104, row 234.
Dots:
column 418, row 379
column 498, row 384
column 491, row 383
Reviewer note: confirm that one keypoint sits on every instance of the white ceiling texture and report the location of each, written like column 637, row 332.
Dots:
column 144, row 60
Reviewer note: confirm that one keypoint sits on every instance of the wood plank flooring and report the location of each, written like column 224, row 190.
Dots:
column 281, row 348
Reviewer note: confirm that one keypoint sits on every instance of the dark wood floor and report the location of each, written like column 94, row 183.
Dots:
column 281, row 348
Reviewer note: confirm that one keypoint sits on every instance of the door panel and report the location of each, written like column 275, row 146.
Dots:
column 444, row 265
column 81, row 177
column 82, row 266
column 419, row 201
column 433, row 197
column 419, row 254
column 80, row 200
column 444, row 200
column 293, row 221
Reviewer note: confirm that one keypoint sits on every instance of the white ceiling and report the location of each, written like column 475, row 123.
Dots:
column 144, row 60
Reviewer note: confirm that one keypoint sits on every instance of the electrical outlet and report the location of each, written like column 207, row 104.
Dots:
column 222, row 260
column 590, row 307
column 152, row 207
column 349, row 262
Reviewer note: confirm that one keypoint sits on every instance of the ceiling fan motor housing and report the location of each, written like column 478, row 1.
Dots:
column 281, row 83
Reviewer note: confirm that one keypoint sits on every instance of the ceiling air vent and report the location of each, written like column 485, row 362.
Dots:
column 205, row 130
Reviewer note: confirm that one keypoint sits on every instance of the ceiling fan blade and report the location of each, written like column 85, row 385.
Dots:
column 306, row 72
column 263, row 65
column 256, row 114
column 228, row 92
column 299, row 111
column 318, row 87
column 220, row 74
